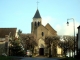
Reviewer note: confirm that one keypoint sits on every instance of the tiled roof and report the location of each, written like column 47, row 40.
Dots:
column 6, row 31
column 37, row 14
column 50, row 29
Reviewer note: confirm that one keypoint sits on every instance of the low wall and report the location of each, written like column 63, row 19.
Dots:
column 2, row 47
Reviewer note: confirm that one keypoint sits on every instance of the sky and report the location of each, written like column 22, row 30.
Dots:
column 19, row 14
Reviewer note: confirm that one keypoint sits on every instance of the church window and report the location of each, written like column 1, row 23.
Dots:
column 38, row 23
column 42, row 33
column 35, row 23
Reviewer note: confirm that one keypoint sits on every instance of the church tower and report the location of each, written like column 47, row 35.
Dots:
column 37, row 21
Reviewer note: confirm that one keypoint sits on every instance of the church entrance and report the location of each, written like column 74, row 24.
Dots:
column 41, row 51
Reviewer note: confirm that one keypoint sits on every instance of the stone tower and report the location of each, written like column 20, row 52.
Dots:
column 37, row 21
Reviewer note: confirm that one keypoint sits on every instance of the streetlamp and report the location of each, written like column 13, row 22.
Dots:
column 74, row 31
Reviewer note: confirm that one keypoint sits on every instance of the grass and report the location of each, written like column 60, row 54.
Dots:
column 5, row 58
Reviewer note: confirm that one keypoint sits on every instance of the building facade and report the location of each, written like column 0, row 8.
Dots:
column 5, row 35
column 41, row 32
column 79, row 37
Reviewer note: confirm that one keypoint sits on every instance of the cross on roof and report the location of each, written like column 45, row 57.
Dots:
column 37, row 4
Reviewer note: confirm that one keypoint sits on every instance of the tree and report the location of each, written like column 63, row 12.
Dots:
column 29, row 41
column 19, row 32
column 16, row 48
column 52, row 41
column 67, row 44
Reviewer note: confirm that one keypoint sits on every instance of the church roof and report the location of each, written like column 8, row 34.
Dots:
column 50, row 28
column 42, row 26
column 6, row 31
column 37, row 14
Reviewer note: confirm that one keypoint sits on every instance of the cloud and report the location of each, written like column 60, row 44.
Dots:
column 61, row 27
column 67, row 30
column 46, row 20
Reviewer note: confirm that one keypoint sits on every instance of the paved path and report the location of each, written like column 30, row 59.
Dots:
column 39, row 58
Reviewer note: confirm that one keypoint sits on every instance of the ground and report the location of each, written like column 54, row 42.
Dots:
column 39, row 58
column 34, row 58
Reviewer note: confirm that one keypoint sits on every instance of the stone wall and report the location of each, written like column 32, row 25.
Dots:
column 2, row 47
column 41, row 29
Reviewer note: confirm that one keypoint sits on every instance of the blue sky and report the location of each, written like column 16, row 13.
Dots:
column 19, row 13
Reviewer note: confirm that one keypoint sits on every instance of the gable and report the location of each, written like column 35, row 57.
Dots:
column 51, row 29
column 41, row 29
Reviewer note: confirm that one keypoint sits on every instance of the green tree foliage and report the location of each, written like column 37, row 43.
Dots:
column 16, row 48
column 19, row 32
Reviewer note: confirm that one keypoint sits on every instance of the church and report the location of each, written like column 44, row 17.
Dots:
column 41, row 32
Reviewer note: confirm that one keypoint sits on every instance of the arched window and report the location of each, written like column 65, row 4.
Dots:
column 35, row 23
column 38, row 23
column 42, row 33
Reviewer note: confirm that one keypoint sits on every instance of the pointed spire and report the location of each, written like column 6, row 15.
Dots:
column 37, row 14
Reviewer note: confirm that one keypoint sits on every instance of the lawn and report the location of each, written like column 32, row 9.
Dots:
column 5, row 58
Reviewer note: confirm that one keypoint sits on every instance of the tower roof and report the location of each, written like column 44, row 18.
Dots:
column 37, row 14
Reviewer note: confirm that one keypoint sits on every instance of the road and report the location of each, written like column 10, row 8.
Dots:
column 38, row 58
